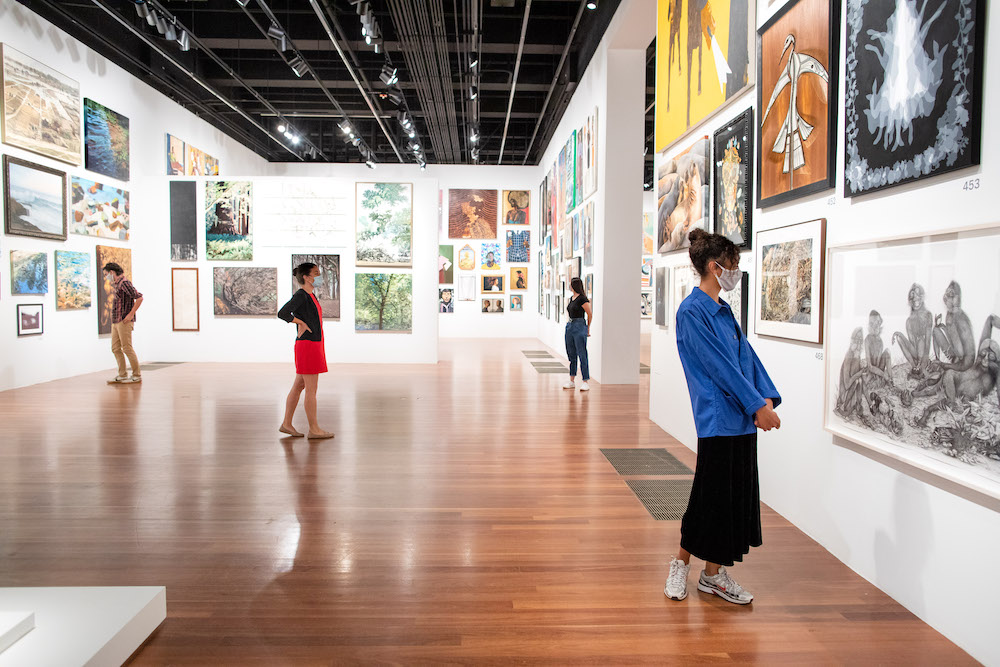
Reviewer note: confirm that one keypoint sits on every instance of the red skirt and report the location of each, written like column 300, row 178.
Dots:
column 310, row 357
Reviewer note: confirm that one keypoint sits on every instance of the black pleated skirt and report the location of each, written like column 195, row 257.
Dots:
column 722, row 520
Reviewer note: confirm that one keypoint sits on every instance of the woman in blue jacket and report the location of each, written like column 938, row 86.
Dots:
column 731, row 397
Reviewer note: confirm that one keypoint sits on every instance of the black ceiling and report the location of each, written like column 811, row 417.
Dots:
column 427, row 41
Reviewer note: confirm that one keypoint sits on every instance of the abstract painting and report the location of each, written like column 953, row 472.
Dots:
column 492, row 284
column 467, row 258
column 194, row 162
column 647, row 272
column 648, row 234
column 587, row 222
column 466, row 288
column 41, row 110
column 97, row 209
column 176, row 153
column 328, row 291
column 492, row 305
column 660, row 292
column 732, row 174
column 519, row 246
column 184, row 299
column 645, row 305
column 587, row 146
column 683, row 282
column 472, row 214
column 34, row 199
column 446, row 264
column 738, row 299
column 912, row 367
column 384, row 224
column 29, row 319
column 106, row 137
column 383, row 302
column 183, row 221
column 211, row 165
column 490, row 256
column 797, row 56
column 682, row 191
column 515, row 207
column 245, row 291
column 29, row 272
column 518, row 278
column 446, row 300
column 229, row 220
column 790, row 276
column 72, row 280
column 106, row 290
column 704, row 60
column 516, row 303
column 914, row 90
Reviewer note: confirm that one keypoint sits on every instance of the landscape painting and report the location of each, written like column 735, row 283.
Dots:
column 34, row 200
column 106, row 289
column 682, row 191
column 790, row 276
column 106, row 138
column 472, row 214
column 245, row 291
column 41, row 110
column 733, row 205
column 383, row 302
column 183, row 221
column 72, row 280
column 328, row 291
column 384, row 224
column 229, row 220
column 29, row 272
column 515, row 207
column 97, row 209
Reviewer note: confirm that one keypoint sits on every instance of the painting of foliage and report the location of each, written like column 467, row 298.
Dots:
column 472, row 214
column 29, row 272
column 106, row 137
column 246, row 290
column 385, row 224
column 328, row 291
column 72, row 280
column 383, row 302
column 229, row 220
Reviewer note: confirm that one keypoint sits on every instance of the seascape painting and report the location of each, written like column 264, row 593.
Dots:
column 106, row 288
column 383, row 302
column 789, row 265
column 98, row 209
column 107, row 141
column 472, row 214
column 34, row 200
column 245, row 291
column 384, row 224
column 328, row 291
column 229, row 220
column 682, row 192
column 29, row 272
column 72, row 280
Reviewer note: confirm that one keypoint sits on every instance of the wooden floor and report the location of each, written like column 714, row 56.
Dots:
column 464, row 513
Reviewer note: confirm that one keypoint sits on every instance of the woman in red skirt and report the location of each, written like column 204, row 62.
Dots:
column 310, row 354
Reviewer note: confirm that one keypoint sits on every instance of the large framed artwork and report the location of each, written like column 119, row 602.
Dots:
column 384, row 224
column 98, row 209
column 30, row 321
column 518, row 246
column 245, row 291
column 183, row 221
column 106, row 291
column 682, row 191
column 466, row 288
column 41, row 110
column 383, row 302
column 516, row 207
column 738, row 299
column 569, row 175
column 704, row 60
column 912, row 367
column 577, row 236
column 913, row 90
column 660, row 294
column 472, row 214
column 106, row 137
column 467, row 258
column 34, row 199
column 72, row 280
column 184, row 299
column 543, row 206
column 29, row 272
column 176, row 154
column 328, row 291
column 797, row 56
column 229, row 220
column 446, row 264
column 553, row 189
column 731, row 177
column 789, row 271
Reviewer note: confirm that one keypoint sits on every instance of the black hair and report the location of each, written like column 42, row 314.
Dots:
column 707, row 247
column 113, row 266
column 302, row 270
column 577, row 286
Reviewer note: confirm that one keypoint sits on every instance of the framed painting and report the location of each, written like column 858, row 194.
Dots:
column 105, row 135
column 98, row 209
column 913, row 104
column 516, row 303
column 30, row 321
column 548, row 306
column 704, row 60
column 245, row 291
column 518, row 246
column 176, row 154
column 731, row 178
column 472, row 214
column 446, row 300
column 229, row 220
column 515, row 207
column 29, row 272
column 518, row 278
column 588, row 161
column 194, row 162
column 912, row 367
column 790, row 270
column 646, row 274
column 492, row 305
column 588, row 286
column 553, row 189
column 41, row 110
column 797, row 58
column 183, row 221
column 683, row 195
column 328, row 291
column 645, row 305
column 492, row 284
column 738, row 300
column 467, row 258
column 446, row 264
column 683, row 282
column 383, row 302
column 34, row 200
column 540, row 279
column 106, row 291
column 660, row 295
column 558, row 307
column 72, row 280
column 648, row 234
column 185, row 310
column 543, row 213
column 489, row 254
column 466, row 288
column 588, row 234
column 577, row 236
column 384, row 233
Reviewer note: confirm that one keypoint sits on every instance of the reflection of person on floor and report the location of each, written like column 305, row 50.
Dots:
column 851, row 391
column 804, row 314
column 879, row 359
column 916, row 342
column 954, row 339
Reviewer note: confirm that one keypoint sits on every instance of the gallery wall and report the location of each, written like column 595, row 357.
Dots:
column 896, row 526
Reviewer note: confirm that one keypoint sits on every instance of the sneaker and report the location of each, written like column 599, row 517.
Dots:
column 677, row 581
column 118, row 379
column 724, row 586
column 570, row 385
column 134, row 378
column 584, row 387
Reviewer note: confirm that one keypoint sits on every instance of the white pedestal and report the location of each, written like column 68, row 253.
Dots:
column 83, row 626
column 13, row 626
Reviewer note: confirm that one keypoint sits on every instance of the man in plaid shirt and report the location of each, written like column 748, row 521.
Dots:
column 127, row 301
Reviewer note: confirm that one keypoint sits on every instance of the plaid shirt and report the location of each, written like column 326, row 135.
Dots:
column 125, row 296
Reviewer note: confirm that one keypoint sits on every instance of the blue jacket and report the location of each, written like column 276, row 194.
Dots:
column 725, row 378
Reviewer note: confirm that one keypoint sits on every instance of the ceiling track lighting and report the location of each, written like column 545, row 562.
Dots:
column 473, row 60
column 473, row 92
column 394, row 97
column 474, row 136
column 184, row 41
column 298, row 65
column 413, row 146
column 151, row 18
column 171, row 32
column 141, row 9
column 243, row 3
column 389, row 75
column 370, row 163
column 282, row 128
column 345, row 126
column 592, row 4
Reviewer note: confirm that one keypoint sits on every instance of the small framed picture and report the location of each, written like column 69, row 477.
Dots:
column 493, row 284
column 516, row 303
column 492, row 305
column 29, row 319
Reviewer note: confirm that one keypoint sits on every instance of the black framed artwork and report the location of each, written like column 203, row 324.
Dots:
column 34, row 199
column 733, row 174
column 29, row 319
column 911, row 117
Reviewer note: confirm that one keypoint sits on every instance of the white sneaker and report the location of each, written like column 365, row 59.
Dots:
column 723, row 585
column 677, row 581
column 584, row 387
column 571, row 384
column 134, row 378
column 118, row 379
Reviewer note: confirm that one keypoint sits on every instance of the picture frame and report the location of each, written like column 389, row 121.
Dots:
column 518, row 278
column 185, row 309
column 34, row 205
column 488, row 282
column 732, row 178
column 30, row 319
column 789, row 263
column 383, row 217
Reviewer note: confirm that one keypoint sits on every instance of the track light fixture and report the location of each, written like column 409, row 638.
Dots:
column 184, row 41
column 151, row 18
column 161, row 24
column 475, row 154
column 171, row 32
column 295, row 139
column 345, row 126
column 474, row 136
column 282, row 128
column 388, row 75
column 298, row 65
column 411, row 133
column 413, row 146
column 423, row 166
column 592, row 4
column 473, row 60
column 370, row 163
column 275, row 32
column 242, row 3
column 404, row 119
column 141, row 9
column 473, row 92
column 394, row 97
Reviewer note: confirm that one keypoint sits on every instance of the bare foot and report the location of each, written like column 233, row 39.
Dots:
column 290, row 430
column 322, row 435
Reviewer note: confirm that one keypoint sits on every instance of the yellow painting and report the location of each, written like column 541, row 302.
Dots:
column 704, row 59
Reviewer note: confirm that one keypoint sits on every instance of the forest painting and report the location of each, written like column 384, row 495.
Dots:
column 383, row 302
column 472, row 214
column 107, row 141
column 246, row 291
column 328, row 291
column 229, row 220
column 384, row 224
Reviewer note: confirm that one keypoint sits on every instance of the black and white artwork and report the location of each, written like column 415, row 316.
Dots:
column 912, row 366
column 660, row 296
column 183, row 221
column 913, row 90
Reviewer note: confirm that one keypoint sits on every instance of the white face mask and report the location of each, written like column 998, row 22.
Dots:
column 730, row 278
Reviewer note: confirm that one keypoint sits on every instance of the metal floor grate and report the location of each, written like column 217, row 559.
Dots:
column 547, row 364
column 550, row 369
column 664, row 499
column 645, row 462
column 540, row 354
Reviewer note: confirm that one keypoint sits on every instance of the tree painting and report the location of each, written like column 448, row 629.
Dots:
column 385, row 224
column 383, row 302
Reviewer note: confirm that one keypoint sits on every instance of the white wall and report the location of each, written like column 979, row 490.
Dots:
column 928, row 548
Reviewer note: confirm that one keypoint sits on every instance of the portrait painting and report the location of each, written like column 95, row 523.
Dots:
column 446, row 300
column 492, row 284
column 489, row 257
column 516, row 303
column 515, row 207
column 34, row 200
column 518, row 246
column 327, row 292
column 72, row 280
column 472, row 214
column 731, row 178
column 493, row 305
column 245, row 291
column 106, row 138
column 446, row 264
column 98, row 209
column 29, row 272
column 518, row 278
column 789, row 264
column 467, row 258
column 106, row 288
column 682, row 191
column 229, row 220
column 384, row 232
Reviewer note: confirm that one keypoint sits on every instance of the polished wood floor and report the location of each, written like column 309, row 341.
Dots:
column 464, row 513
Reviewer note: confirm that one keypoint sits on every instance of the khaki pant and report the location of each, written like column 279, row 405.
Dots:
column 121, row 347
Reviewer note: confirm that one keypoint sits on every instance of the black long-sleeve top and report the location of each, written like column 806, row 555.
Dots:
column 302, row 307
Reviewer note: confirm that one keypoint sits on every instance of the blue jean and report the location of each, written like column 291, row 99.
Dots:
column 576, row 346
